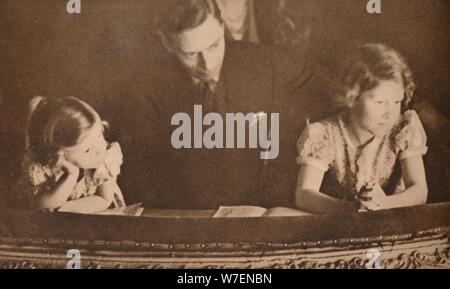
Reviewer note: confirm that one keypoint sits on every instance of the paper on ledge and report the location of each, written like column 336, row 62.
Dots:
column 254, row 211
column 131, row 210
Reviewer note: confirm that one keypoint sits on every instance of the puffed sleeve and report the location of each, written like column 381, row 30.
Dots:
column 35, row 177
column 411, row 138
column 37, row 174
column 314, row 147
column 110, row 168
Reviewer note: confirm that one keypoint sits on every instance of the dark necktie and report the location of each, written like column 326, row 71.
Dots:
column 209, row 96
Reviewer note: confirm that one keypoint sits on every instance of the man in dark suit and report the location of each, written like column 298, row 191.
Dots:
column 192, row 64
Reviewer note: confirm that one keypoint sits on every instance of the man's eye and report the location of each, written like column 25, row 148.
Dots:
column 87, row 151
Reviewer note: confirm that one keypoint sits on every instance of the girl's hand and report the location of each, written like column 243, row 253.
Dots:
column 373, row 199
column 59, row 194
column 111, row 192
column 66, row 166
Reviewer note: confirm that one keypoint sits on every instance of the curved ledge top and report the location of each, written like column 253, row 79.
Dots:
column 197, row 228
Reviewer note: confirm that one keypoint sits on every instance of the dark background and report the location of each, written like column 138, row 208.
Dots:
column 46, row 51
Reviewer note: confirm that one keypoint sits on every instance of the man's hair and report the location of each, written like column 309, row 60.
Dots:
column 179, row 15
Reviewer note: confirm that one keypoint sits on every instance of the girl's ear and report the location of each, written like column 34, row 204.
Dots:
column 351, row 102
column 353, row 96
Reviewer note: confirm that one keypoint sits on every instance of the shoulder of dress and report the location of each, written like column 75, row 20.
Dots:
column 409, row 121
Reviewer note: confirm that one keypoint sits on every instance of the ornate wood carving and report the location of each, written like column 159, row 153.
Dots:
column 425, row 252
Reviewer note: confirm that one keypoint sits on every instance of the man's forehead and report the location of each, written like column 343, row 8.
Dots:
column 201, row 37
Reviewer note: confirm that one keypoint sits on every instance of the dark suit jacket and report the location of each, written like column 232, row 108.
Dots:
column 254, row 78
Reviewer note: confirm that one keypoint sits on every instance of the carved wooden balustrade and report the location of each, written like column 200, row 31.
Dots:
column 416, row 237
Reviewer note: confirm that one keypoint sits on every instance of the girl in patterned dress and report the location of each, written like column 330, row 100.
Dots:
column 369, row 156
column 69, row 165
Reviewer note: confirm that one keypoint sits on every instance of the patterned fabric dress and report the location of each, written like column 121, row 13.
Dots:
column 42, row 177
column 326, row 145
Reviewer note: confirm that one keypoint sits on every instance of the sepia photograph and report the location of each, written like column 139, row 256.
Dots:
column 224, row 134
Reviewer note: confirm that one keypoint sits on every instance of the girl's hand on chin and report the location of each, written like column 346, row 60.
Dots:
column 66, row 166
